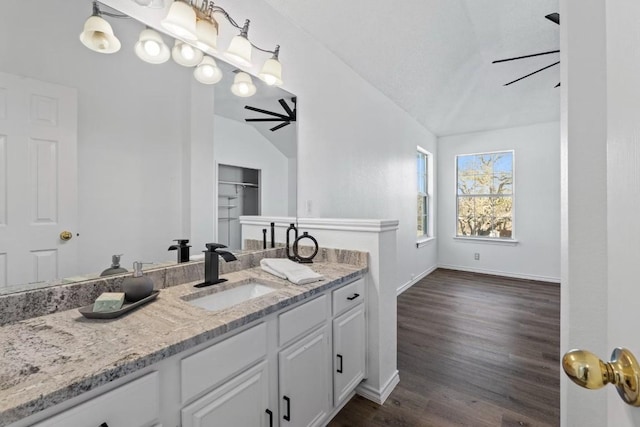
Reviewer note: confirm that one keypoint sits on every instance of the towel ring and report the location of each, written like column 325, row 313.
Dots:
column 302, row 259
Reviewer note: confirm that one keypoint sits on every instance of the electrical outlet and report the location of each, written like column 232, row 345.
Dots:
column 476, row 256
column 308, row 206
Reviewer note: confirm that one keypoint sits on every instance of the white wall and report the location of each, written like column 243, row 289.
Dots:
column 537, row 203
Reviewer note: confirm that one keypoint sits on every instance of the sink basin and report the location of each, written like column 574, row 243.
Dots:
column 231, row 296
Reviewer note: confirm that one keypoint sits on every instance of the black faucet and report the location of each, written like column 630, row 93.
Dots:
column 183, row 249
column 211, row 264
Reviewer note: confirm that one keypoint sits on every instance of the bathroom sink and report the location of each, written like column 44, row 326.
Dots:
column 232, row 296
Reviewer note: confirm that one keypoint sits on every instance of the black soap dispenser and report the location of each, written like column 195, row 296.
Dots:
column 115, row 267
column 138, row 286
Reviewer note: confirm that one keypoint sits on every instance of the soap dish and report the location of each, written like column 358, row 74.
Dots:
column 87, row 310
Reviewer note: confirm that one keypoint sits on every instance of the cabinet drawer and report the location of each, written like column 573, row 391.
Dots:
column 136, row 403
column 207, row 368
column 301, row 319
column 348, row 296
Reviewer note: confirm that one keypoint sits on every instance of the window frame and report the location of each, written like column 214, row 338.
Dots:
column 428, row 196
column 488, row 239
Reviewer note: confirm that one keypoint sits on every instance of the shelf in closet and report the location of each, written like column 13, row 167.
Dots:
column 227, row 206
column 244, row 184
column 227, row 219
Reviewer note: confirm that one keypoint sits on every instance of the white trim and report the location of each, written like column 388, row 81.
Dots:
column 502, row 273
column 378, row 396
column 423, row 241
column 361, row 225
column 415, row 280
column 489, row 240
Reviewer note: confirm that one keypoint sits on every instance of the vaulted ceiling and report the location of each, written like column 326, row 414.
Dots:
column 434, row 57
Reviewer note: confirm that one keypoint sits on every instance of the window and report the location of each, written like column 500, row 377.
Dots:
column 485, row 195
column 423, row 159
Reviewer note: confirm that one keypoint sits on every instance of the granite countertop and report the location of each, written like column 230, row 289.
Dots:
column 49, row 359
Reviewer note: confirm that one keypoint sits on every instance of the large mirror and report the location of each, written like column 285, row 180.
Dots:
column 124, row 155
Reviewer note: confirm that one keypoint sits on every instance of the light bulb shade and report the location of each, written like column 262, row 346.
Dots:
column 181, row 21
column 207, row 36
column 151, row 48
column 239, row 51
column 98, row 36
column 243, row 85
column 271, row 72
column 208, row 72
column 185, row 54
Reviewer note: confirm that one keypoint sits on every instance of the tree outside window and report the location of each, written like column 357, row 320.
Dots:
column 485, row 195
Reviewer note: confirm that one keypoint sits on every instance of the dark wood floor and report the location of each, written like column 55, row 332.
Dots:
column 473, row 350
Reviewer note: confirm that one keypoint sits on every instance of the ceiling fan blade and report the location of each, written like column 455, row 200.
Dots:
column 558, row 85
column 269, row 113
column 531, row 74
column 281, row 125
column 286, row 107
column 267, row 120
column 526, row 56
column 554, row 17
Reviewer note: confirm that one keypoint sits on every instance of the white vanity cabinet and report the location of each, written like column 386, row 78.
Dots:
column 136, row 403
column 292, row 368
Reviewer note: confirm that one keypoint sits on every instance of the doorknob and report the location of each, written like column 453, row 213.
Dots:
column 66, row 235
column 588, row 371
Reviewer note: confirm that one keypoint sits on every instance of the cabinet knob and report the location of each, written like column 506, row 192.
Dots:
column 352, row 297
column 339, row 370
column 270, row 417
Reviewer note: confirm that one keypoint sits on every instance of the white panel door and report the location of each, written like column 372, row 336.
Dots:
column 242, row 401
column 348, row 349
column 304, row 381
column 38, row 180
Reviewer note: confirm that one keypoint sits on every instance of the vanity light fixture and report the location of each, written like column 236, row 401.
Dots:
column 181, row 21
column 243, row 85
column 194, row 21
column 208, row 72
column 97, row 34
column 185, row 54
column 239, row 50
column 271, row 72
column 151, row 48
column 207, row 30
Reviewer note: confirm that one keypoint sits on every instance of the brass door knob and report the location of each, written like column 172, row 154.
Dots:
column 588, row 371
column 66, row 235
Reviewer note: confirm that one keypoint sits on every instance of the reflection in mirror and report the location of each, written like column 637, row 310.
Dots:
column 123, row 154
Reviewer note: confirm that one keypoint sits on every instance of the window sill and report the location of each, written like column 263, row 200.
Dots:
column 486, row 240
column 423, row 242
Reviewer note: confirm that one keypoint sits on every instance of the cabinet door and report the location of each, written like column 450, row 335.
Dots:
column 241, row 401
column 304, row 381
column 133, row 404
column 348, row 348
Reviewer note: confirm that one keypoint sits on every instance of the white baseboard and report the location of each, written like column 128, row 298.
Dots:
column 415, row 280
column 378, row 396
column 501, row 273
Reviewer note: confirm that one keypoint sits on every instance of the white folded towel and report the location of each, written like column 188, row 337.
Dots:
column 292, row 271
